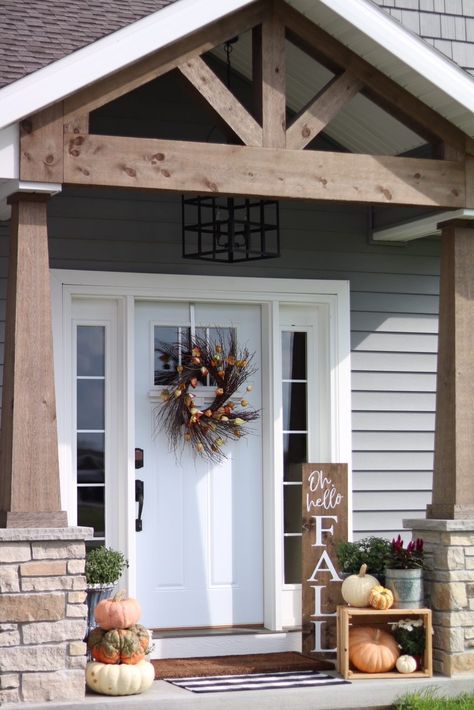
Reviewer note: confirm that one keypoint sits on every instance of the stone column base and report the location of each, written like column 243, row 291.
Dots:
column 43, row 614
column 449, row 588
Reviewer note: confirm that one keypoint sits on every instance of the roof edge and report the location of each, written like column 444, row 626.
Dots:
column 109, row 54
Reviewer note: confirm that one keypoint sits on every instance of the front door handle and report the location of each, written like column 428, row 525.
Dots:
column 139, row 498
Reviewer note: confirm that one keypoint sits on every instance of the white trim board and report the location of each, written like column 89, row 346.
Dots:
column 429, row 75
column 331, row 298
column 418, row 228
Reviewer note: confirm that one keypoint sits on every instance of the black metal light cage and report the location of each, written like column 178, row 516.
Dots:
column 229, row 230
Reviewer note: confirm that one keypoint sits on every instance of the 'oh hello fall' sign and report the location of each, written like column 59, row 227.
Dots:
column 324, row 526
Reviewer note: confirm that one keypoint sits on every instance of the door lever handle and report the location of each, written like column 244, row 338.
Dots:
column 139, row 498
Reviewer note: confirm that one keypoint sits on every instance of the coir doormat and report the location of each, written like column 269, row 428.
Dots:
column 237, row 665
column 256, row 681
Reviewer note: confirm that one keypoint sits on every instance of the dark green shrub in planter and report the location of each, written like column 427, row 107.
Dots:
column 373, row 551
column 104, row 567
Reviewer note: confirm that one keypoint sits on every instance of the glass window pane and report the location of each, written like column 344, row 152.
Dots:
column 292, row 560
column 166, row 335
column 293, row 355
column 90, row 350
column 292, row 509
column 91, row 509
column 90, row 458
column 294, row 454
column 294, row 406
column 90, row 404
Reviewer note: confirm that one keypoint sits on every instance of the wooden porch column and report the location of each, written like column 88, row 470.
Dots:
column 453, row 481
column 29, row 470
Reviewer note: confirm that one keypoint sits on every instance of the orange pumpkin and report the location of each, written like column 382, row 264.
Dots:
column 380, row 598
column 119, row 645
column 372, row 650
column 117, row 613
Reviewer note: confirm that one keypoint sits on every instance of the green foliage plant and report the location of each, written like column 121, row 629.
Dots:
column 410, row 636
column 104, row 566
column 373, row 551
column 428, row 699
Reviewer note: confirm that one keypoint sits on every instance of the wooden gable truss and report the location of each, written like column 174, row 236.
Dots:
column 56, row 146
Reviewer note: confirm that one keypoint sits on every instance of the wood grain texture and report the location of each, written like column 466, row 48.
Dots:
column 29, row 469
column 453, row 492
column 162, row 61
column 243, row 170
column 273, row 68
column 321, row 110
column 222, row 100
column 321, row 588
column 377, row 86
column 41, row 146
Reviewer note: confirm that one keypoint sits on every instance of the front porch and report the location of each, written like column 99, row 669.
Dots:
column 359, row 695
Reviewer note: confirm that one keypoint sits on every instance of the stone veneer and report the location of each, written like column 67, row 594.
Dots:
column 449, row 590
column 43, row 614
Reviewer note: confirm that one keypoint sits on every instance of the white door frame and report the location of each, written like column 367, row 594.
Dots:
column 332, row 300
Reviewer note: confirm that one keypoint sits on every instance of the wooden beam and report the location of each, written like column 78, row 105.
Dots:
column 377, row 86
column 453, row 492
column 29, row 470
column 41, row 146
column 222, row 100
column 273, row 81
column 321, row 110
column 147, row 163
column 161, row 62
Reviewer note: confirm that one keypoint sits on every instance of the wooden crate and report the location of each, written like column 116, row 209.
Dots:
column 351, row 616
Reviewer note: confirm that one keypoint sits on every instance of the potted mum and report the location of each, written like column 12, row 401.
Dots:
column 104, row 567
column 410, row 636
column 404, row 573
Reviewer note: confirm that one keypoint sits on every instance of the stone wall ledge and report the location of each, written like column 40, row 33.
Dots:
column 439, row 525
column 34, row 534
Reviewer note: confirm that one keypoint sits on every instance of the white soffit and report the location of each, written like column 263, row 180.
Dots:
column 425, row 227
column 401, row 55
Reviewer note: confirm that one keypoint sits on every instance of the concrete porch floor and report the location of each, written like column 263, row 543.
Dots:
column 366, row 694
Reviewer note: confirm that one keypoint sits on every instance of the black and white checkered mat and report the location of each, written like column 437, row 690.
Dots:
column 256, row 681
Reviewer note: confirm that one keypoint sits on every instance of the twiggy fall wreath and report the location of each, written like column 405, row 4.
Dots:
column 206, row 428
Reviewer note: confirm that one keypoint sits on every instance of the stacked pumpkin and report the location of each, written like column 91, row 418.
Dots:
column 372, row 650
column 118, row 645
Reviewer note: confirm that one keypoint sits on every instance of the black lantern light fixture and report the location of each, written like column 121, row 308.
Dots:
column 230, row 229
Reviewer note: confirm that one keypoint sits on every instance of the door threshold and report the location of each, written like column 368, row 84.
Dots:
column 194, row 643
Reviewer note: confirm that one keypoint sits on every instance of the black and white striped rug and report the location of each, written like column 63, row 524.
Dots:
column 256, row 681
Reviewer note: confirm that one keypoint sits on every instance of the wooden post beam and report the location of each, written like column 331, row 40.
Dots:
column 316, row 115
column 29, row 470
column 148, row 163
column 273, row 74
column 222, row 100
column 453, row 489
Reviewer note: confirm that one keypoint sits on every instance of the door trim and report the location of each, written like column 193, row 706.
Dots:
column 330, row 297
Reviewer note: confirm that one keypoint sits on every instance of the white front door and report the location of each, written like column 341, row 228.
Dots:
column 199, row 554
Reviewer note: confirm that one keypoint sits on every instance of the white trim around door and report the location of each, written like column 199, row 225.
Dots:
column 328, row 300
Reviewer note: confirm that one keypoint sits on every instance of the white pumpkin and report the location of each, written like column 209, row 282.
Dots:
column 406, row 664
column 119, row 679
column 356, row 588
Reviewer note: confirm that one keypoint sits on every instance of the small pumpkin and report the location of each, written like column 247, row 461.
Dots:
column 372, row 650
column 406, row 664
column 127, row 646
column 117, row 612
column 355, row 589
column 120, row 679
column 380, row 598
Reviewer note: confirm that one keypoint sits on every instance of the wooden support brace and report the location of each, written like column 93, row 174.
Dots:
column 41, row 146
column 222, row 100
column 273, row 75
column 29, row 470
column 316, row 115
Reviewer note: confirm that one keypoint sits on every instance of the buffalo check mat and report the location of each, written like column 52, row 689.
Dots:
column 256, row 681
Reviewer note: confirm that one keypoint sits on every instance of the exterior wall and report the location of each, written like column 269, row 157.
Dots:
column 446, row 24
column 42, row 614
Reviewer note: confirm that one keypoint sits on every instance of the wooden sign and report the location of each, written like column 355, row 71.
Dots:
column 325, row 515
